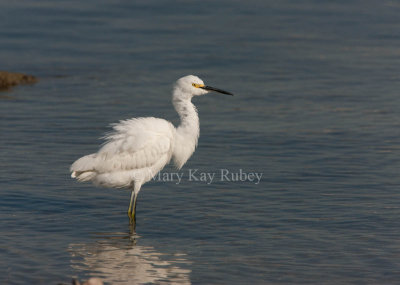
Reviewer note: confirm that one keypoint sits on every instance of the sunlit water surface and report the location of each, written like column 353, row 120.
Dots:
column 316, row 112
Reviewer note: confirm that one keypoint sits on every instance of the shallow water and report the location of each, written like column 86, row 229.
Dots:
column 315, row 112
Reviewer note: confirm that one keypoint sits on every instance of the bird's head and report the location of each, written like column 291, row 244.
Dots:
column 191, row 85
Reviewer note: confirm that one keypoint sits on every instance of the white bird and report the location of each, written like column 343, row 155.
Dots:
column 137, row 149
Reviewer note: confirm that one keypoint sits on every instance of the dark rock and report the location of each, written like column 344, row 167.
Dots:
column 9, row 79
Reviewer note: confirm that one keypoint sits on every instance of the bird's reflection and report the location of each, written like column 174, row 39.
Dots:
column 117, row 258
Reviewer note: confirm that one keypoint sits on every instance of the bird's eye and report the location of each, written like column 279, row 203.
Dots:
column 194, row 84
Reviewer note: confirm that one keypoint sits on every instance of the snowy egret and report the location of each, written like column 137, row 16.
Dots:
column 137, row 149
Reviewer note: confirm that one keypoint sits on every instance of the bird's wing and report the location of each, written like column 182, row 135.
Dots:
column 130, row 159
column 133, row 144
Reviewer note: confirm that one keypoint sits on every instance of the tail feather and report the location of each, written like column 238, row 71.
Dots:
column 83, row 176
column 83, row 169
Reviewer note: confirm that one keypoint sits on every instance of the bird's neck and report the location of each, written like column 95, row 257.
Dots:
column 188, row 131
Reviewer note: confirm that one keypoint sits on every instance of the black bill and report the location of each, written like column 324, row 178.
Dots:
column 216, row 90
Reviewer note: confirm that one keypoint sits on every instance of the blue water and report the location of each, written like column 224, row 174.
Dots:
column 316, row 112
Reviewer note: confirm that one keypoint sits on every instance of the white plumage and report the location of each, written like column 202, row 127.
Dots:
column 137, row 149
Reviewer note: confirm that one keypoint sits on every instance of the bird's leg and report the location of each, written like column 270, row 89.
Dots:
column 132, row 208
column 130, row 204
